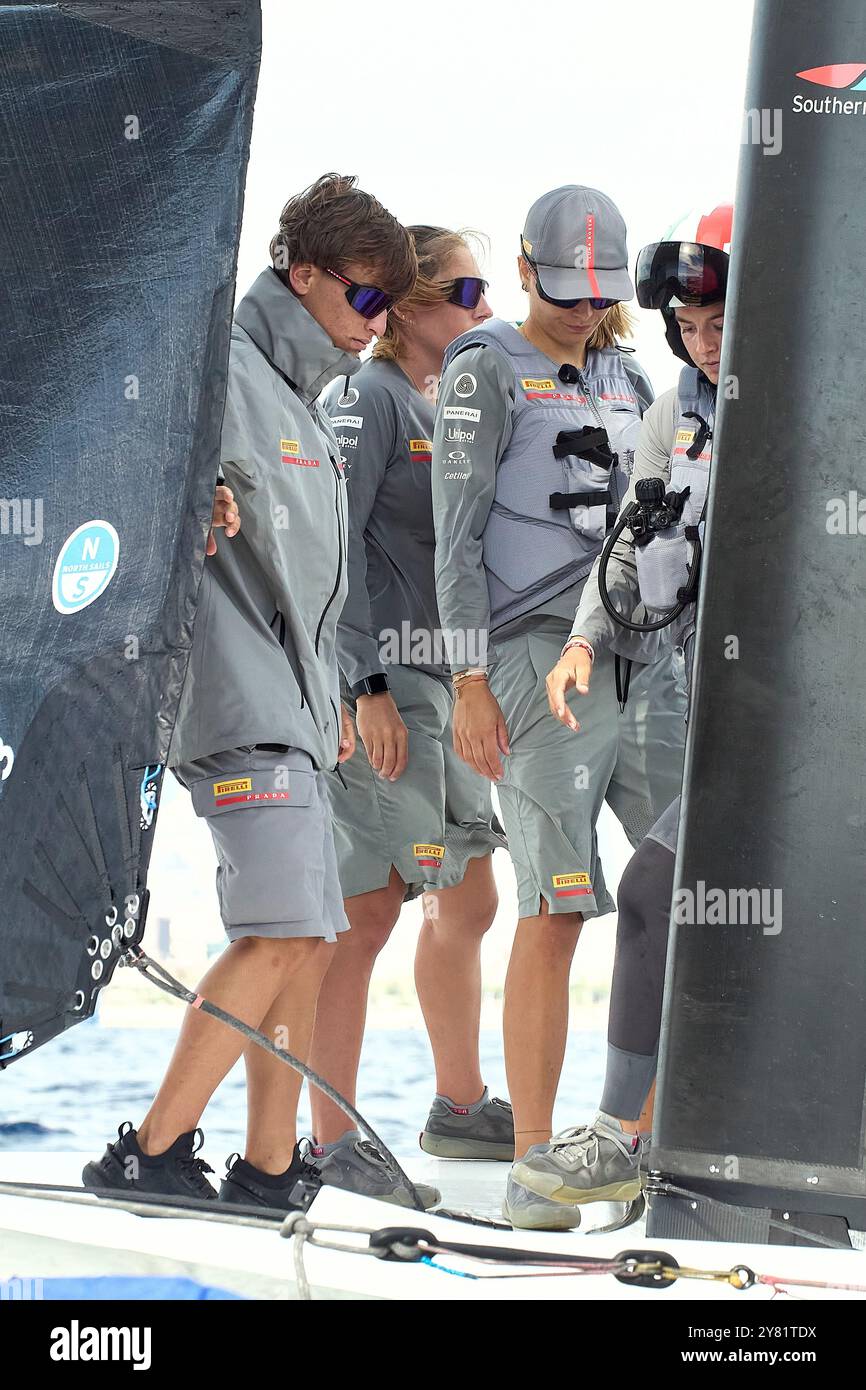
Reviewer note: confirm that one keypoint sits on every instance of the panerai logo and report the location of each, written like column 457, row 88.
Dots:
column 839, row 77
column 77, row 1343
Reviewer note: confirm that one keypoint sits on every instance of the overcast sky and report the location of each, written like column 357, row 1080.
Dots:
column 462, row 114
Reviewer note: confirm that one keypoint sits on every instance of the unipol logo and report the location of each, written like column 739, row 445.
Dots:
column 85, row 566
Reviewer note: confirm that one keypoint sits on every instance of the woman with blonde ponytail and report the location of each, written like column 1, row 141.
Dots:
column 409, row 815
column 554, row 407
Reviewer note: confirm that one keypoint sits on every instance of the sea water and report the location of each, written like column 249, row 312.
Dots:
column 73, row 1092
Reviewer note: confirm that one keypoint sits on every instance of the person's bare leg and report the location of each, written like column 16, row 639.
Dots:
column 535, row 1020
column 245, row 981
column 448, row 977
column 342, row 1010
column 273, row 1087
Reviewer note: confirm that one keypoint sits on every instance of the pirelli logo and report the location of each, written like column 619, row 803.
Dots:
column 421, row 449
column 241, row 789
column 430, row 856
column 685, row 437
column 290, row 452
column 571, row 885
column 240, row 784
column 537, row 383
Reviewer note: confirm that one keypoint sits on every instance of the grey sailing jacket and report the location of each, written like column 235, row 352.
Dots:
column 263, row 666
column 503, row 550
column 384, row 427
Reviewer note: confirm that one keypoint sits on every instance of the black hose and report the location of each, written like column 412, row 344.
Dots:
column 605, row 596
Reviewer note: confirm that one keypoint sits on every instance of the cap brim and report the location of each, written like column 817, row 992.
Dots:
column 564, row 283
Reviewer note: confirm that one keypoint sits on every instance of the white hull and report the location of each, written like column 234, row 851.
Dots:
column 45, row 1237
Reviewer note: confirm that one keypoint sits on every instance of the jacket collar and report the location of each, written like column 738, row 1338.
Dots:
column 290, row 337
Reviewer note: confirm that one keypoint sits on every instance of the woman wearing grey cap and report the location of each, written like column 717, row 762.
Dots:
column 552, row 410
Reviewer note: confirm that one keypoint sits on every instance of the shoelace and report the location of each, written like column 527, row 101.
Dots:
column 193, row 1168
column 576, row 1144
column 373, row 1155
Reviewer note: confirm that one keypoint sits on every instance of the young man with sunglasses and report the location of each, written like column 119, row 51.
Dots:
column 259, row 722
column 407, row 812
column 651, row 586
column 555, row 408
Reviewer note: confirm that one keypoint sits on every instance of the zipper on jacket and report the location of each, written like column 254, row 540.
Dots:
column 281, row 638
column 339, row 723
column 339, row 575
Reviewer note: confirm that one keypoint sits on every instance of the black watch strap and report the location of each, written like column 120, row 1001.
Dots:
column 371, row 685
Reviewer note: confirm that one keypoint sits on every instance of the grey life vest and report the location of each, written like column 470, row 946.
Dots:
column 553, row 505
column 663, row 562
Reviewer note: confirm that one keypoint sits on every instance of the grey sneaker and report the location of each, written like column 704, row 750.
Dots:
column 356, row 1165
column 591, row 1163
column 482, row 1130
column 527, row 1211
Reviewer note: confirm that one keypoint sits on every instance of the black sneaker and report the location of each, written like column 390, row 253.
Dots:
column 127, row 1169
column 292, row 1190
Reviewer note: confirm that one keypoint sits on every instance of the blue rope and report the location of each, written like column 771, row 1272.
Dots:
column 444, row 1269
column 148, row 794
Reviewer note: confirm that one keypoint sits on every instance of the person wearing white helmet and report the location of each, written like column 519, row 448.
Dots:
column 652, row 558
column 548, row 415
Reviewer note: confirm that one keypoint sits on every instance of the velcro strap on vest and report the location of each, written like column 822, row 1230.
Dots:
column 588, row 442
column 564, row 501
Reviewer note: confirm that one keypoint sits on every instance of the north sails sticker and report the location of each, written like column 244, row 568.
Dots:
column 571, row 885
column 85, row 566
column 349, row 398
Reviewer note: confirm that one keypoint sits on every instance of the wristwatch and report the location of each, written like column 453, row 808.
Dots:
column 376, row 684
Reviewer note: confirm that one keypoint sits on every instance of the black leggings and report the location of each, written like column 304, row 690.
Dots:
column 644, row 906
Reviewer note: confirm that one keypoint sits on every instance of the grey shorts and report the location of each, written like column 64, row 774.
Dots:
column 667, row 826
column 270, row 820
column 430, row 822
column 555, row 781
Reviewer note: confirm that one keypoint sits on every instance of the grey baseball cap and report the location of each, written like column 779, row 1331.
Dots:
column 576, row 239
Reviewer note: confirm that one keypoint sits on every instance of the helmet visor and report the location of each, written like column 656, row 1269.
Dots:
column 685, row 271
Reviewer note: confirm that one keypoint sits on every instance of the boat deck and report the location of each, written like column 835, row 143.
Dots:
column 43, row 1237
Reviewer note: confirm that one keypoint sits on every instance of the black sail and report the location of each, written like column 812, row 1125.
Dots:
column 125, row 139
column 763, row 1061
